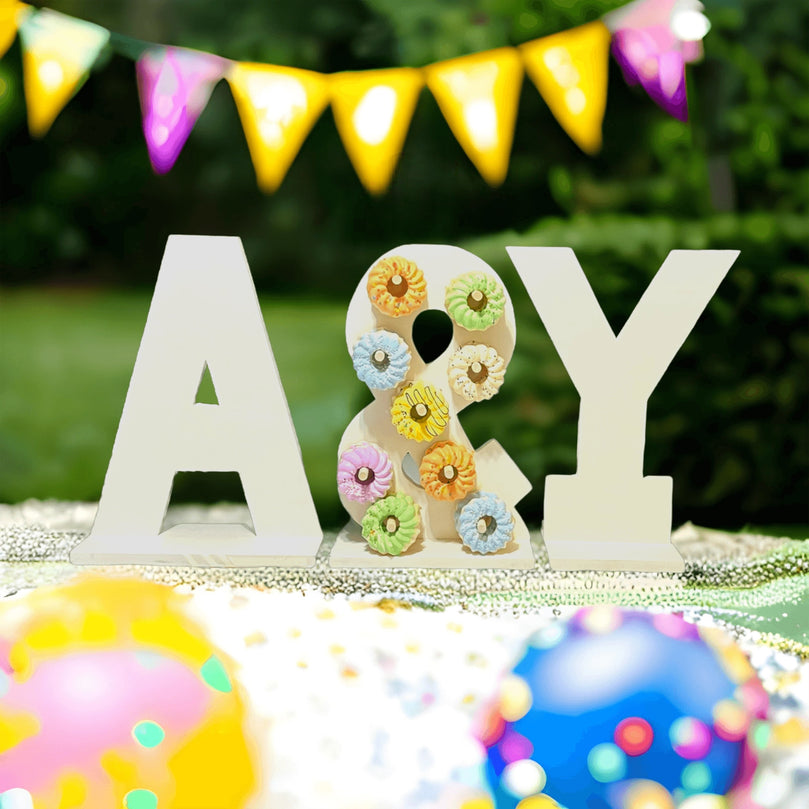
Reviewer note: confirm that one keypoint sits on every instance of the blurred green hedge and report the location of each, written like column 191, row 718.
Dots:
column 730, row 418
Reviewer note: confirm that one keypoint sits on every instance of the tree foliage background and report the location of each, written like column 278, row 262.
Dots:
column 728, row 421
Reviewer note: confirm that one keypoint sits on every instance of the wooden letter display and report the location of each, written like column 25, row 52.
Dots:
column 204, row 312
column 608, row 516
column 407, row 473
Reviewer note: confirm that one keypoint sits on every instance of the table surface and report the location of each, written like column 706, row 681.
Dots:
column 416, row 652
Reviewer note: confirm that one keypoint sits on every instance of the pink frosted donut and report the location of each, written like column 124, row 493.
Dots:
column 364, row 473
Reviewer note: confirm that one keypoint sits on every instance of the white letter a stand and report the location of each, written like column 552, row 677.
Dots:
column 204, row 311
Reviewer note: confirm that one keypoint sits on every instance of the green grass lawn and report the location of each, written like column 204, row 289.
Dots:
column 65, row 362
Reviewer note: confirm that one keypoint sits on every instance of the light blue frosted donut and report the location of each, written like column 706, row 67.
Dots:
column 500, row 522
column 390, row 371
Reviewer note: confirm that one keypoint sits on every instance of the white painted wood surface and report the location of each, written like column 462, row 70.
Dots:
column 204, row 311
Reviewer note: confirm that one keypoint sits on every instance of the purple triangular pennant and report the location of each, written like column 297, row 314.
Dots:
column 174, row 86
column 651, row 58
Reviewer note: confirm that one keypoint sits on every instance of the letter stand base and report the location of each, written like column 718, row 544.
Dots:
column 351, row 550
column 623, row 526
column 567, row 555
column 231, row 545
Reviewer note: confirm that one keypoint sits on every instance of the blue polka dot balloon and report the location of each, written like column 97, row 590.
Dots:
column 621, row 710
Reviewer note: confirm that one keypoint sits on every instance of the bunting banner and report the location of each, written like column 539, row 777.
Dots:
column 278, row 107
column 174, row 85
column 653, row 40
column 58, row 52
column 684, row 21
column 570, row 71
column 645, row 60
column 372, row 110
column 12, row 13
column 478, row 94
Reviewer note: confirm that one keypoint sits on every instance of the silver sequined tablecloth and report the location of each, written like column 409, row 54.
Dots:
column 421, row 650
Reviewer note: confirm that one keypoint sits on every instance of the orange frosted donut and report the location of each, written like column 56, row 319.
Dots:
column 396, row 286
column 447, row 471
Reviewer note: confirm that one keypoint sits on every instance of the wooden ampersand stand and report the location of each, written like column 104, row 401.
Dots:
column 413, row 419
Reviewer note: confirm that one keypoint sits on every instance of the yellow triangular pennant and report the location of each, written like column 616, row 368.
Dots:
column 372, row 110
column 278, row 107
column 570, row 71
column 478, row 95
column 12, row 14
column 58, row 52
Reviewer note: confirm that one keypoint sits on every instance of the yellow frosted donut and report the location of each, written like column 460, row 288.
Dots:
column 396, row 286
column 447, row 471
column 420, row 412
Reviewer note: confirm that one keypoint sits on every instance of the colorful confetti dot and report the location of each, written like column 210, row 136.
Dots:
column 690, row 738
column 16, row 799
column 606, row 763
column 140, row 799
column 696, row 777
column 601, row 620
column 761, row 733
column 643, row 794
column 491, row 727
column 634, row 736
column 515, row 698
column 674, row 626
column 538, row 802
column 704, row 802
column 478, row 803
column 548, row 637
column 731, row 721
column 523, row 778
column 148, row 733
column 213, row 672
column 514, row 747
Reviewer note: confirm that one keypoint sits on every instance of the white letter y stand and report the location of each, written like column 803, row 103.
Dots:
column 608, row 516
column 204, row 311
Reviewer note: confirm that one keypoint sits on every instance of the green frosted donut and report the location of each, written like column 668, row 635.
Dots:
column 475, row 301
column 392, row 524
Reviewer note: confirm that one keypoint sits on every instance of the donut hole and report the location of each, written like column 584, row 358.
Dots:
column 419, row 412
column 476, row 300
column 380, row 360
column 448, row 474
column 397, row 286
column 477, row 372
column 364, row 475
column 486, row 525
column 391, row 524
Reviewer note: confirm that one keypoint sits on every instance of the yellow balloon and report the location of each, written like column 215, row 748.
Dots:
column 58, row 52
column 372, row 110
column 478, row 95
column 570, row 71
column 278, row 107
